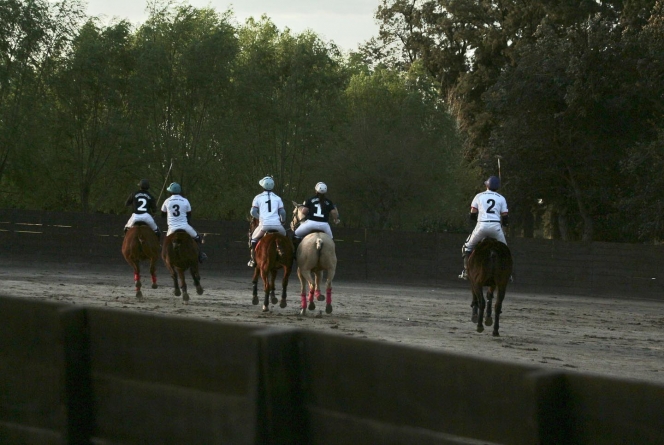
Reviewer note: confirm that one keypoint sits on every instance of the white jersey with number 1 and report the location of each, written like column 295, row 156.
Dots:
column 268, row 205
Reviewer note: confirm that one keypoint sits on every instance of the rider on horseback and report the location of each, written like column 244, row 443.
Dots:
column 269, row 209
column 318, row 210
column 144, row 205
column 178, row 210
column 489, row 211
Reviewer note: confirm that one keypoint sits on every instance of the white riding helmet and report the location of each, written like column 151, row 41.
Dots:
column 321, row 187
column 267, row 183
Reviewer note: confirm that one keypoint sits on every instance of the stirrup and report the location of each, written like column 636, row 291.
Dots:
column 464, row 274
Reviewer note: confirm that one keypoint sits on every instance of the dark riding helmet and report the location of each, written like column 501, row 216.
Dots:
column 493, row 183
column 144, row 184
column 174, row 188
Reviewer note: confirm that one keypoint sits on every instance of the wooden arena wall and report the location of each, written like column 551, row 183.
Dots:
column 83, row 375
column 431, row 259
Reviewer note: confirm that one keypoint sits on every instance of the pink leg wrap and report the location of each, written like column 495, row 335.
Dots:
column 137, row 277
column 154, row 279
column 317, row 294
column 311, row 295
column 328, row 296
column 304, row 299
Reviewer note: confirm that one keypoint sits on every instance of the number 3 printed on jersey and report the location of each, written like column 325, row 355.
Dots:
column 176, row 210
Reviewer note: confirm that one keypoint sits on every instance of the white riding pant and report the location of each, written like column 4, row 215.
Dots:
column 186, row 227
column 309, row 226
column 261, row 230
column 484, row 230
column 141, row 217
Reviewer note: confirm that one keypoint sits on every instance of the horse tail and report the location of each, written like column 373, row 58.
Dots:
column 280, row 248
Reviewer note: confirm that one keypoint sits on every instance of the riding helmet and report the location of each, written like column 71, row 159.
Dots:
column 321, row 188
column 174, row 188
column 267, row 183
column 144, row 184
column 493, row 183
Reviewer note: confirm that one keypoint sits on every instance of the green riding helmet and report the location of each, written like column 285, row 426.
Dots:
column 144, row 184
column 174, row 188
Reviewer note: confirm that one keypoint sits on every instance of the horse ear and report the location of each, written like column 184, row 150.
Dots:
column 295, row 204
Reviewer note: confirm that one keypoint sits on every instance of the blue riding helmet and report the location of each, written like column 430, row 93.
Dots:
column 267, row 183
column 493, row 183
column 174, row 188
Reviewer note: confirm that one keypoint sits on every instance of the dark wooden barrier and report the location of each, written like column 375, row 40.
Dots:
column 430, row 259
column 81, row 375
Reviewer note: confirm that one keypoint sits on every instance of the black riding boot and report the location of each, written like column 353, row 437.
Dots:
column 201, row 256
column 296, row 242
column 158, row 233
column 252, row 249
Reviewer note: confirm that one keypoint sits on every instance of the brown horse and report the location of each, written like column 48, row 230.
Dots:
column 490, row 265
column 273, row 252
column 141, row 243
column 315, row 254
column 180, row 252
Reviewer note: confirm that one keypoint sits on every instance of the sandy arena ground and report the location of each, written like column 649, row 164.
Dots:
column 614, row 337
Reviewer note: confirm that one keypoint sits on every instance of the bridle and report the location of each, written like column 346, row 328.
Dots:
column 295, row 223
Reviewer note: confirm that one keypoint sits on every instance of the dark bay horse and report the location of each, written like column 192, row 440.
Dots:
column 315, row 254
column 180, row 252
column 490, row 265
column 141, row 243
column 273, row 252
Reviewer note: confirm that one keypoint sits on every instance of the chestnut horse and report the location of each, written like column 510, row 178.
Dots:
column 315, row 254
column 180, row 252
column 141, row 243
column 273, row 252
column 490, row 265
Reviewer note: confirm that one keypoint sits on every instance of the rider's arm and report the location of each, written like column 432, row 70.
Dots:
column 505, row 219
column 282, row 215
column 130, row 200
column 334, row 213
column 188, row 217
column 254, row 212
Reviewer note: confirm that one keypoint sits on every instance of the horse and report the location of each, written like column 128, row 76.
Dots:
column 141, row 243
column 274, row 251
column 315, row 254
column 490, row 264
column 180, row 252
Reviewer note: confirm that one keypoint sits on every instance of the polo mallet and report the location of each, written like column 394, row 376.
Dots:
column 165, row 181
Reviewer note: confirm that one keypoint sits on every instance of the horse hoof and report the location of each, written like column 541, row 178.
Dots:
column 254, row 300
column 138, row 284
column 480, row 329
column 139, row 294
column 185, row 297
column 328, row 309
column 274, row 300
column 488, row 321
column 199, row 290
column 312, row 306
column 154, row 285
column 496, row 334
column 282, row 304
column 177, row 292
column 474, row 318
column 266, row 309
column 319, row 296
column 303, row 311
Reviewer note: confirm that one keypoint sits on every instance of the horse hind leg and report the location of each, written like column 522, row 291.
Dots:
column 137, row 279
column 499, row 309
column 284, row 286
column 195, row 275
column 328, row 291
column 266, row 289
column 183, row 287
column 488, row 321
column 273, row 278
column 153, row 272
column 478, row 301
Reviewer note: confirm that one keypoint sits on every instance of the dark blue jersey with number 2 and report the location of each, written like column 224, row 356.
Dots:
column 142, row 201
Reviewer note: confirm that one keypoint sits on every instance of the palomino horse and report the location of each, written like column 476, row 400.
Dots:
column 273, row 252
column 141, row 243
column 490, row 265
column 315, row 254
column 180, row 252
